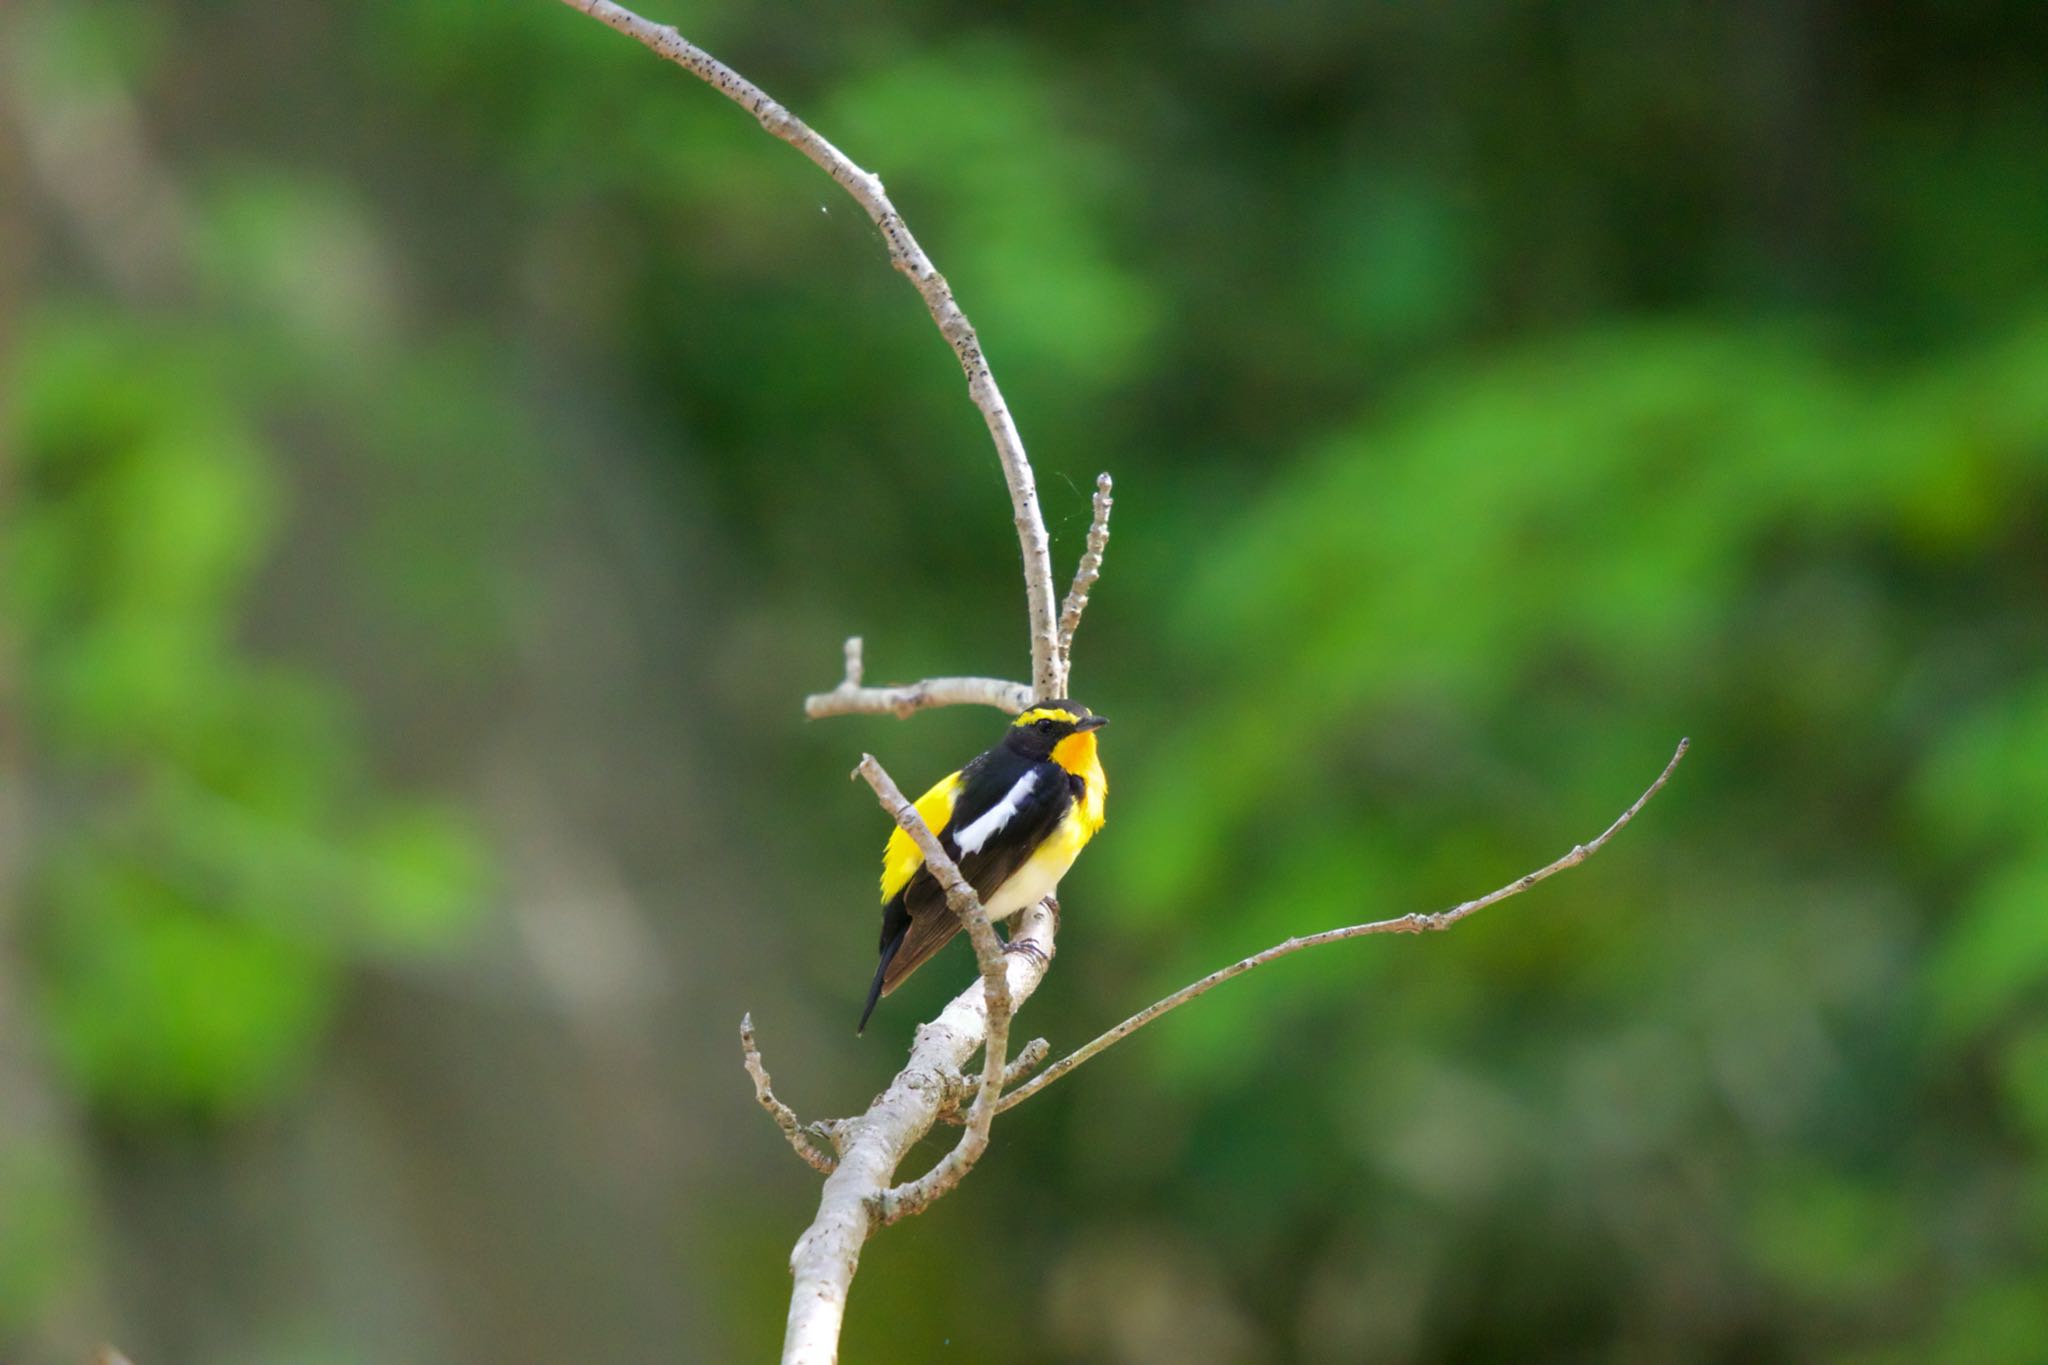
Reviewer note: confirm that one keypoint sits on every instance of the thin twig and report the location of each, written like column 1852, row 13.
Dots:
column 1084, row 577
column 850, row 698
column 908, row 257
column 1406, row 924
column 785, row 1117
column 1027, row 1060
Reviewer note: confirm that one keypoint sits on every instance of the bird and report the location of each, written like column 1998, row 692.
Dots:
column 1013, row 820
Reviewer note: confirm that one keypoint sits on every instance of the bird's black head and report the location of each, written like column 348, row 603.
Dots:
column 1037, row 732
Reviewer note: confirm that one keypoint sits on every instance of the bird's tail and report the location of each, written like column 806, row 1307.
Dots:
column 881, row 973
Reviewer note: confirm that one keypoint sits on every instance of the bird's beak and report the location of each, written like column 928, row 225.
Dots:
column 1091, row 723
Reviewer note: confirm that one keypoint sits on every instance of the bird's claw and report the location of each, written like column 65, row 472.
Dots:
column 1029, row 949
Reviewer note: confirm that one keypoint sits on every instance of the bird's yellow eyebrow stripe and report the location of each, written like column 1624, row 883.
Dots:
column 1039, row 713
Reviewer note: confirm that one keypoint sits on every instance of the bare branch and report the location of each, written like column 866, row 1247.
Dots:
column 858, row 1196
column 851, row 1206
column 1406, row 924
column 910, row 698
column 850, row 698
column 1084, row 577
column 908, row 257
column 785, row 1117
column 1023, row 1064
column 1026, row 1061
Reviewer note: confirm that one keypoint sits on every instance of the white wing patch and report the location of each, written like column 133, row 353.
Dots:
column 1001, row 813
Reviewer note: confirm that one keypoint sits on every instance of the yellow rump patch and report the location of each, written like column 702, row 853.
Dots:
column 901, row 859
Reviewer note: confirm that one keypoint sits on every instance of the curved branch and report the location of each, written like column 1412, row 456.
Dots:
column 908, row 257
column 1406, row 924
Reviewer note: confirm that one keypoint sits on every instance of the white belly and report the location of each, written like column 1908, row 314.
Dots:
column 1040, row 876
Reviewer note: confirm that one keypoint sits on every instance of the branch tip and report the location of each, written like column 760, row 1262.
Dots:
column 1085, row 575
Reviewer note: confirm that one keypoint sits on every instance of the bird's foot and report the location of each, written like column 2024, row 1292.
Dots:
column 1027, row 948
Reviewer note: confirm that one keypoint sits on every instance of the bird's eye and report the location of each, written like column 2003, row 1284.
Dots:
column 1046, row 725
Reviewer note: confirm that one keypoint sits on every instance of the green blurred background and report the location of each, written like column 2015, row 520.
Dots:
column 442, row 444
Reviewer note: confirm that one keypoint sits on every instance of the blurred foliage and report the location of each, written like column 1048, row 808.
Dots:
column 215, row 855
column 1495, row 394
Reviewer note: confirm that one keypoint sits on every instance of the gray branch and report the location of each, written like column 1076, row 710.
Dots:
column 1084, row 576
column 854, row 1202
column 785, row 1118
column 852, row 698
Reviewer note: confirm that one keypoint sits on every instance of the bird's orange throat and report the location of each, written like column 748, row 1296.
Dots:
column 1076, row 753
